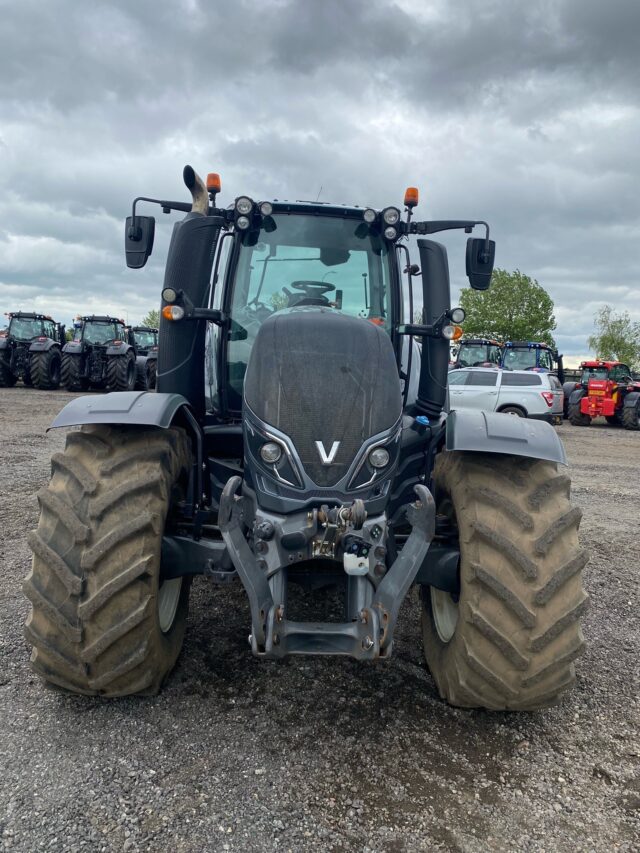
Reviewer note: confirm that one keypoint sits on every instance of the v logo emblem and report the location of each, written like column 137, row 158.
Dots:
column 327, row 458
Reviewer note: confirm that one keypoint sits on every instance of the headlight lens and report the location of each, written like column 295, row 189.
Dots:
column 243, row 222
column 169, row 294
column 457, row 315
column 390, row 233
column 244, row 205
column 369, row 215
column 266, row 208
column 391, row 215
column 379, row 457
column 270, row 452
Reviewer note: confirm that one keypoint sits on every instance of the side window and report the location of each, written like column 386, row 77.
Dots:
column 458, row 377
column 620, row 372
column 521, row 380
column 487, row 379
column 119, row 333
column 545, row 359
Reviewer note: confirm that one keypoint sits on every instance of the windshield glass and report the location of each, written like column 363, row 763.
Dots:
column 594, row 373
column 474, row 354
column 519, row 359
column 304, row 261
column 24, row 329
column 145, row 339
column 102, row 333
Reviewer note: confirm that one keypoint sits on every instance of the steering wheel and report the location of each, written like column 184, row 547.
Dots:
column 313, row 288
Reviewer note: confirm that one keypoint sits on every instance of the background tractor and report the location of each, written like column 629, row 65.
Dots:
column 145, row 342
column 99, row 356
column 30, row 349
column 606, row 389
column 298, row 435
column 477, row 352
column 532, row 355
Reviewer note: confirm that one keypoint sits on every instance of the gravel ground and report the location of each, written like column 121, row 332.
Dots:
column 311, row 754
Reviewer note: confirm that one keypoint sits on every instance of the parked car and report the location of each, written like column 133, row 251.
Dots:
column 525, row 393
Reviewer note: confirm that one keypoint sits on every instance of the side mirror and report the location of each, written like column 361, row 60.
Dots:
column 139, row 232
column 480, row 262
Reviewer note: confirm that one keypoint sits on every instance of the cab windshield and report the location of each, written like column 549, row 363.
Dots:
column 145, row 339
column 594, row 373
column 475, row 354
column 323, row 261
column 102, row 333
column 24, row 328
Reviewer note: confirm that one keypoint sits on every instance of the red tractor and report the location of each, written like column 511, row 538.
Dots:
column 605, row 388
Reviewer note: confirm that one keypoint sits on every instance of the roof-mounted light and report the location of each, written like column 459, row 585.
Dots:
column 390, row 232
column 243, row 222
column 369, row 215
column 244, row 205
column 391, row 215
column 266, row 208
column 213, row 182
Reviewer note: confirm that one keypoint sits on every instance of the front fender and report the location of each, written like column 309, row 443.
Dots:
column 577, row 395
column 118, row 350
column 141, row 408
column 631, row 400
column 493, row 432
column 72, row 347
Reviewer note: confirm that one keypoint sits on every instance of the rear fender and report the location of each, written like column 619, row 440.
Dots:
column 632, row 399
column 43, row 346
column 123, row 349
column 577, row 395
column 493, row 432
column 128, row 408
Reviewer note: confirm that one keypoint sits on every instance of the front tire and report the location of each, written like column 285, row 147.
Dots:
column 121, row 372
column 509, row 640
column 71, row 373
column 576, row 417
column 45, row 368
column 102, row 621
column 7, row 378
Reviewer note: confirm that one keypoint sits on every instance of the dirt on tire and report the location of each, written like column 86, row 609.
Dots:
column 95, row 580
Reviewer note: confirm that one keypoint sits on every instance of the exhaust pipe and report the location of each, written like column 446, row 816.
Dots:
column 436, row 298
column 188, row 271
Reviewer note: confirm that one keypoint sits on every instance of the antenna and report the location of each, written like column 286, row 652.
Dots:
column 319, row 192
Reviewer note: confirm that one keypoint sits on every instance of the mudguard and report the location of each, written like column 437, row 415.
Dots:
column 493, row 432
column 121, row 349
column 577, row 395
column 73, row 347
column 43, row 346
column 631, row 400
column 140, row 408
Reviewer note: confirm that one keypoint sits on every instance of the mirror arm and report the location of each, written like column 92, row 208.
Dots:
column 449, row 225
column 135, row 232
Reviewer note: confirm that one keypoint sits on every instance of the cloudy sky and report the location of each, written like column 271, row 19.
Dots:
column 526, row 114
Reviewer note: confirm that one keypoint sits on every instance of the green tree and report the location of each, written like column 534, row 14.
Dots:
column 617, row 337
column 152, row 319
column 514, row 308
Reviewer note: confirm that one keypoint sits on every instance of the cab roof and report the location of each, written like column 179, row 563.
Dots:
column 607, row 364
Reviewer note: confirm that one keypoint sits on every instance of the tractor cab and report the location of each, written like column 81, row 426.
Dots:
column 606, row 389
column 477, row 352
column 532, row 355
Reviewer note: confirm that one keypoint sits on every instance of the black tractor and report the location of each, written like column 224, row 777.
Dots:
column 298, row 436
column 30, row 349
column 145, row 342
column 99, row 356
column 477, row 352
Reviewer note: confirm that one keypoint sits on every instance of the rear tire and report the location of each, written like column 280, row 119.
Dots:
column 631, row 417
column 102, row 621
column 142, row 378
column 70, row 373
column 509, row 641
column 152, row 368
column 613, row 420
column 576, row 417
column 7, row 378
column 121, row 372
column 45, row 369
column 513, row 410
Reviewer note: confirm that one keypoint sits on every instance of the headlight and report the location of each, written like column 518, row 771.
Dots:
column 270, row 452
column 244, row 205
column 391, row 215
column 448, row 332
column 369, row 215
column 379, row 458
column 457, row 315
column 243, row 222
column 390, row 233
column 266, row 208
column 169, row 294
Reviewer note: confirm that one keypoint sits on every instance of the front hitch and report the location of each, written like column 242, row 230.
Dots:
column 368, row 637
